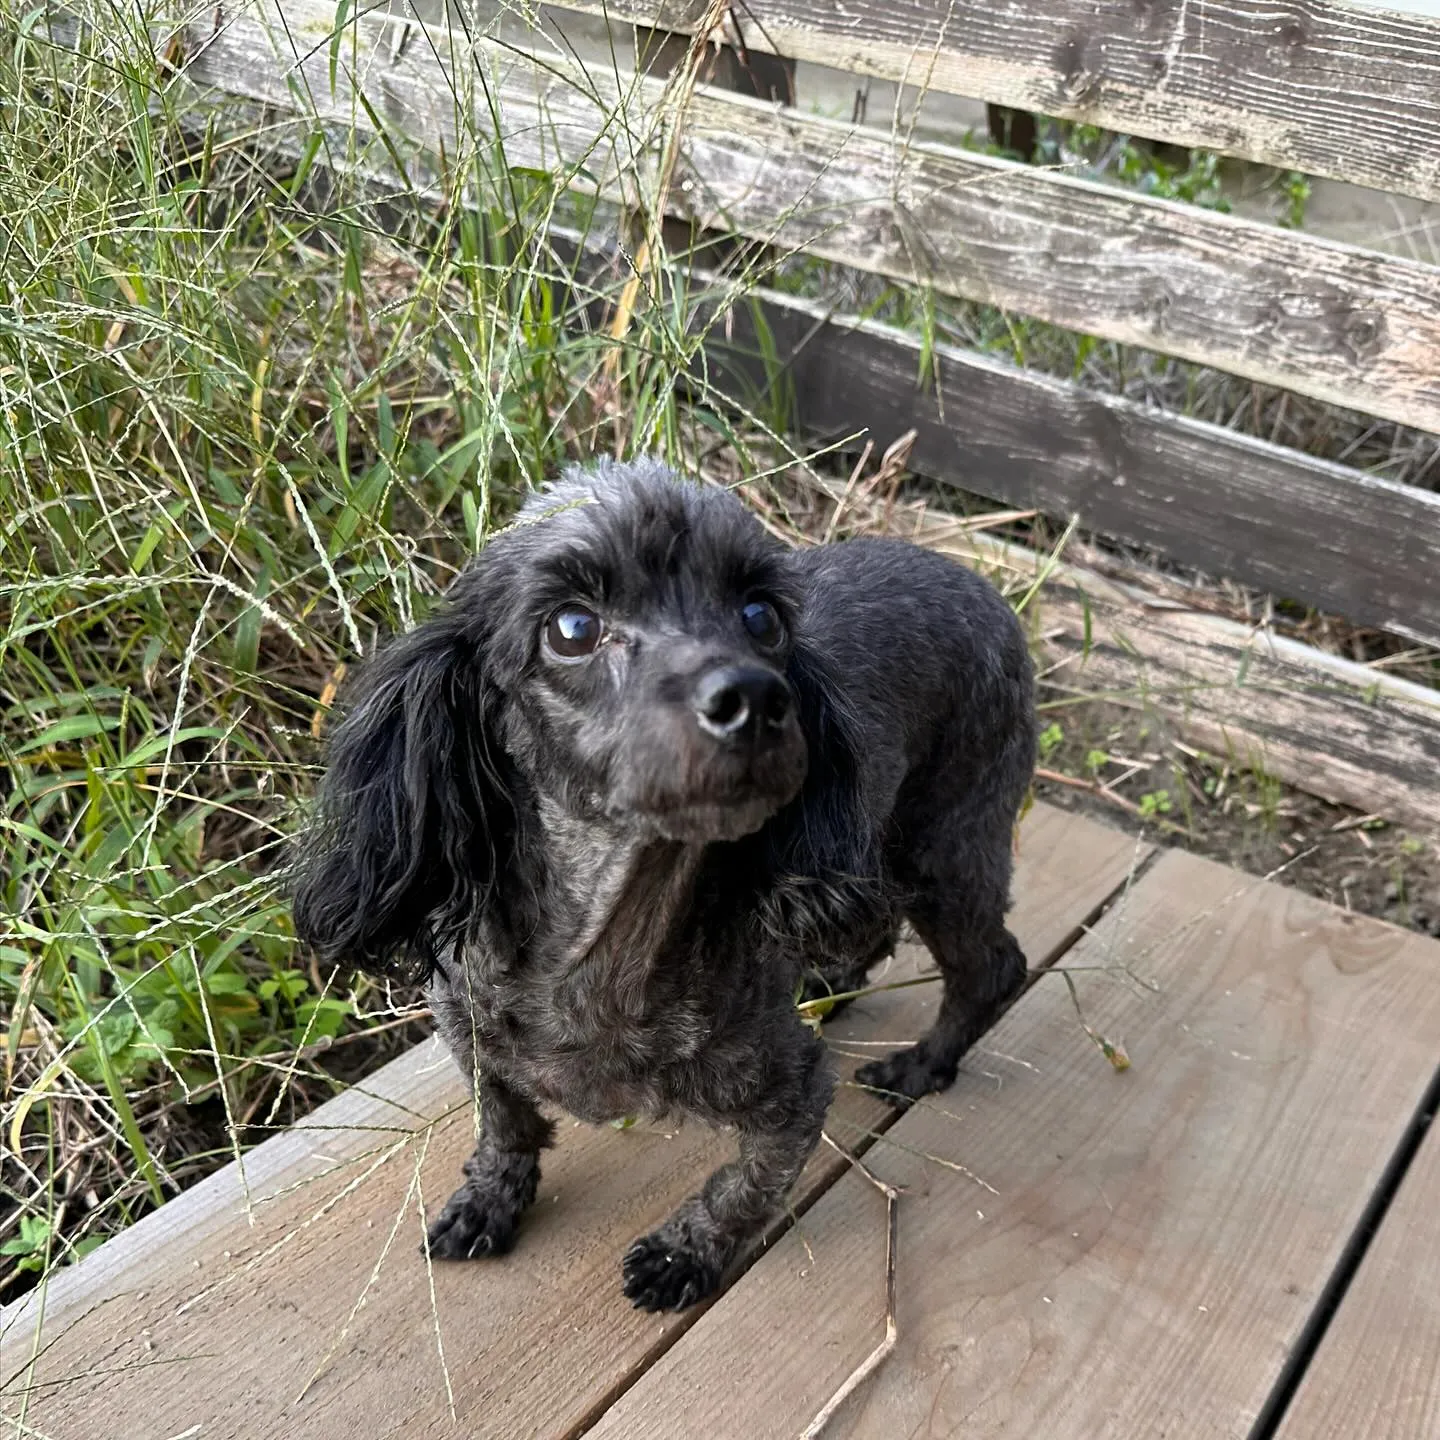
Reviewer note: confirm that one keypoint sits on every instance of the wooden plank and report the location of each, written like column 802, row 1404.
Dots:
column 1377, row 1371
column 1340, row 730
column 1154, row 1242
column 1330, row 726
column 1300, row 528
column 1343, row 324
column 198, row 1317
column 1329, row 87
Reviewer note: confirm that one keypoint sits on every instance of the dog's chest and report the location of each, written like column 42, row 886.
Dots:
column 680, row 1032
column 596, row 1061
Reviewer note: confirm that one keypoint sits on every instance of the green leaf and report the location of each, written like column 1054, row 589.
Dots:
column 156, row 745
column 226, row 982
column 313, row 142
column 246, row 656
column 145, row 548
column 72, row 727
column 342, row 13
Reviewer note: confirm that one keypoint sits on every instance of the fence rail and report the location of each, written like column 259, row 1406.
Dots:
column 1328, row 320
column 1333, row 88
column 1345, row 90
column 1223, row 502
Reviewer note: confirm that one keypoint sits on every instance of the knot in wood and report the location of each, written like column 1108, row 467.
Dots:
column 1289, row 39
column 1365, row 333
column 1328, row 319
column 1075, row 81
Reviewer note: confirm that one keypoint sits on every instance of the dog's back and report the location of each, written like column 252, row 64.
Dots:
column 933, row 667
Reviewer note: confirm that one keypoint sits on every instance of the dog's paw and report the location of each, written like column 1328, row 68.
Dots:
column 660, row 1275
column 907, row 1075
column 470, row 1227
column 480, row 1217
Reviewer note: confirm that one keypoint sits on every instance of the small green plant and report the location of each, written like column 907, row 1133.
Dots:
column 1095, row 762
column 31, row 1245
column 1295, row 188
column 1052, row 737
column 1198, row 182
column 1155, row 803
column 1269, row 794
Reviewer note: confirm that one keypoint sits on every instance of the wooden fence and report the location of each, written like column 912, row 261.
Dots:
column 1333, row 89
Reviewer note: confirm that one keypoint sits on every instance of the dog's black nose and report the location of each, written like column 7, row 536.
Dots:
column 738, row 702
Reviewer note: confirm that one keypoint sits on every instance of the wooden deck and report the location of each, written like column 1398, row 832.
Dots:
column 1171, row 1251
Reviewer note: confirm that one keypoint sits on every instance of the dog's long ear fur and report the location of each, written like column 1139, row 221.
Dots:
column 823, row 845
column 411, row 812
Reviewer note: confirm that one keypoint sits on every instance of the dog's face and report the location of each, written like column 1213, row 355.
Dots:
column 641, row 650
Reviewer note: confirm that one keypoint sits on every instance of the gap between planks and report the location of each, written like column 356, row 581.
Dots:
column 859, row 1139
column 1371, row 1368
column 1160, row 1239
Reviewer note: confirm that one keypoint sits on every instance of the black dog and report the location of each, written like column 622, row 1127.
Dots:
column 646, row 770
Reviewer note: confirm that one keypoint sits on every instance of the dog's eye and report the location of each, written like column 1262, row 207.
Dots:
column 762, row 621
column 573, row 631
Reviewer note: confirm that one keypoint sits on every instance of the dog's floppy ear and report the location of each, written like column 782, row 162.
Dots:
column 823, row 846
column 401, row 856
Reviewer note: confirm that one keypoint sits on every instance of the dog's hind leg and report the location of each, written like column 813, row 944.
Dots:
column 500, row 1178
column 685, row 1259
column 958, row 910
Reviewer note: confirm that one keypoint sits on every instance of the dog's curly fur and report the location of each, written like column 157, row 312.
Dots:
column 613, row 898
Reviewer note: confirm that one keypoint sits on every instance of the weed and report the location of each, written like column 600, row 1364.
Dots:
column 1051, row 738
column 256, row 409
column 1154, row 803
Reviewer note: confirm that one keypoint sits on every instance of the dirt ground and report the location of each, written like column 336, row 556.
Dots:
column 1122, row 767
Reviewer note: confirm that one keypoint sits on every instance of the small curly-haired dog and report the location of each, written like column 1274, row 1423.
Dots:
column 646, row 771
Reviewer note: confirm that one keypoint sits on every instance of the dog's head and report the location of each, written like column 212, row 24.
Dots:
column 642, row 629
column 625, row 652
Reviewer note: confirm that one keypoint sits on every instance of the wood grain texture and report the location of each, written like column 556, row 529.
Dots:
column 1297, row 527
column 1342, row 324
column 1158, row 1239
column 1340, row 730
column 1267, row 702
column 1347, row 90
column 1377, row 1371
column 198, row 1317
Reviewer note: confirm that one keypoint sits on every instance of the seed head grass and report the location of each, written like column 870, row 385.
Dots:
column 257, row 407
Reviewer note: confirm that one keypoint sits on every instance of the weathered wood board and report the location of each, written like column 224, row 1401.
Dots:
column 1145, row 1248
column 1287, row 523
column 1350, row 734
column 198, row 1317
column 1258, row 699
column 1329, row 87
column 1376, row 1373
column 1343, row 324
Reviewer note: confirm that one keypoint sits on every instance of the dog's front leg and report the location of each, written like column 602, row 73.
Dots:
column 500, row 1177
column 685, row 1259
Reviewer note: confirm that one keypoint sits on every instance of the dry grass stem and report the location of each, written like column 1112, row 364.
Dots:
column 876, row 1357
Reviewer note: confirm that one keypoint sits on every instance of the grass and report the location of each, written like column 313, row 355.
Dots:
column 263, row 386
column 256, row 410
